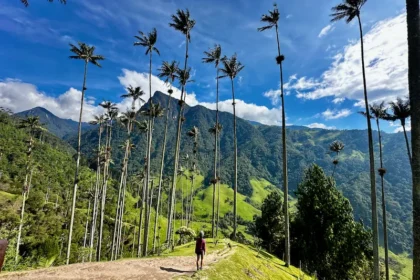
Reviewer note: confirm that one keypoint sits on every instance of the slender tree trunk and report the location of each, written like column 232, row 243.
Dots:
column 104, row 189
column 376, row 274
column 96, row 199
column 218, row 193
column 235, row 166
column 149, row 146
column 143, row 199
column 86, row 231
column 30, row 183
column 76, row 175
column 177, row 144
column 406, row 143
column 284, row 152
column 215, row 154
column 383, row 203
column 162, row 164
column 413, row 30
column 335, row 165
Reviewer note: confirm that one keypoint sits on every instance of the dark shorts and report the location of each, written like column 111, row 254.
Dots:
column 199, row 254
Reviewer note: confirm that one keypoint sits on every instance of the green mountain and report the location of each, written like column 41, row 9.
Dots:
column 60, row 127
column 259, row 148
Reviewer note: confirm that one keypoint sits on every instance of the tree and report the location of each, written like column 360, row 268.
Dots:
column 168, row 71
column 349, row 10
column 326, row 237
column 413, row 31
column 272, row 19
column 401, row 111
column 134, row 93
column 270, row 226
column 181, row 22
column 215, row 56
column 98, row 120
column 378, row 112
column 87, row 54
column 111, row 115
column 336, row 147
column 231, row 68
column 26, row 2
column 148, row 41
column 193, row 133
column 32, row 124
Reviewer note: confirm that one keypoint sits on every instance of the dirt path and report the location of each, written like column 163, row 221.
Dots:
column 151, row 269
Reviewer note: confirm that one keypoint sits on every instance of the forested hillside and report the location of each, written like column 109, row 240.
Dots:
column 259, row 148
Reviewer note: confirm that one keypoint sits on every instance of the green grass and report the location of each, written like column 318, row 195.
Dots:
column 400, row 265
column 261, row 189
column 246, row 263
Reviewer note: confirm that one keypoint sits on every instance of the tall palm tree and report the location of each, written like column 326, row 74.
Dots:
column 134, row 93
column 378, row 112
column 231, row 68
column 193, row 133
column 272, row 20
column 336, row 147
column 148, row 41
column 87, row 54
column 349, row 10
column 98, row 120
column 111, row 115
column 168, row 70
column 401, row 111
column 183, row 23
column 218, row 185
column 413, row 22
column 215, row 56
column 32, row 124
column 26, row 2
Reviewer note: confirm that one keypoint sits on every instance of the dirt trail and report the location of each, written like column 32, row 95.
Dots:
column 150, row 268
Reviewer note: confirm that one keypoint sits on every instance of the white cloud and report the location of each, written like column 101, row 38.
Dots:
column 274, row 95
column 386, row 67
column 327, row 29
column 249, row 111
column 399, row 128
column 338, row 100
column 335, row 114
column 289, row 16
column 19, row 96
column 320, row 125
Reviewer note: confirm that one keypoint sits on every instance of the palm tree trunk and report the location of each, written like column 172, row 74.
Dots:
column 235, row 166
column 218, row 192
column 86, row 231
column 413, row 22
column 407, row 144
column 96, row 199
column 143, row 198
column 383, row 204
column 149, row 146
column 215, row 154
column 162, row 163
column 335, row 165
column 372, row 168
column 120, row 244
column 177, row 145
column 104, row 189
column 76, row 175
column 285, row 171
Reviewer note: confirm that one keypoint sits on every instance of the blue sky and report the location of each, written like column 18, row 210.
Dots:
column 321, row 70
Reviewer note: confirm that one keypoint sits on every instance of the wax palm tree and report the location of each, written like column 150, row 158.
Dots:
column 32, row 124
column 218, row 185
column 378, row 112
column 413, row 22
column 26, row 2
column 87, row 54
column 271, row 20
column 193, row 134
column 135, row 93
column 349, row 10
column 110, row 116
column 98, row 120
column 336, row 147
column 214, row 56
column 183, row 23
column 148, row 41
column 231, row 68
column 168, row 70
column 401, row 111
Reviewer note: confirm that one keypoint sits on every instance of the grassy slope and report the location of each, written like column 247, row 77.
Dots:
column 400, row 265
column 244, row 263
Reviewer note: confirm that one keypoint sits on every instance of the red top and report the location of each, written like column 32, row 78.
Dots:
column 200, row 245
